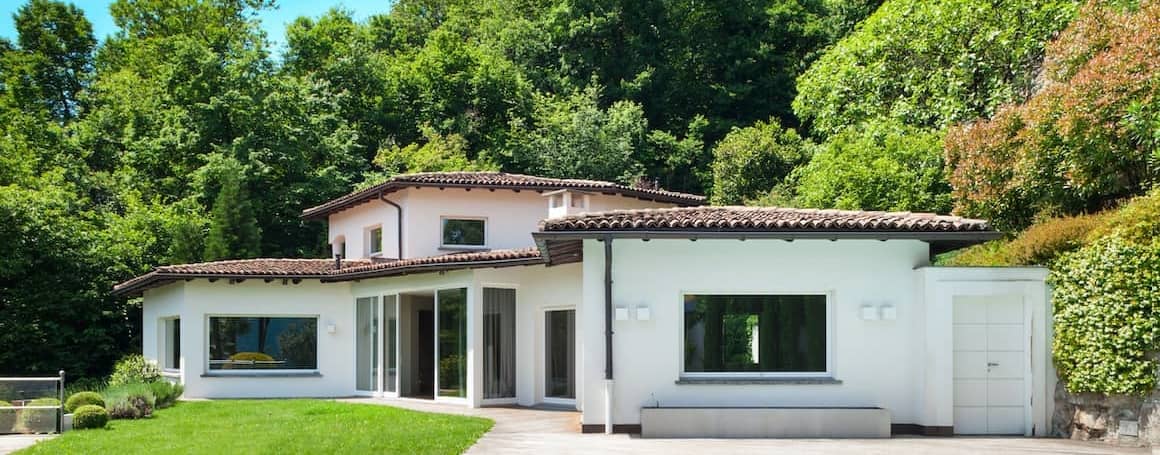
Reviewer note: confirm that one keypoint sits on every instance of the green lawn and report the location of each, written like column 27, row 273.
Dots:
column 283, row 427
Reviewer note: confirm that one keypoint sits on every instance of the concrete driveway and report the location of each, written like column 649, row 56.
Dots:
column 12, row 442
column 545, row 431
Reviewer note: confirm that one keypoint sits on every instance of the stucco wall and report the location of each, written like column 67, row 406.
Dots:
column 331, row 302
column 875, row 360
column 161, row 304
column 511, row 218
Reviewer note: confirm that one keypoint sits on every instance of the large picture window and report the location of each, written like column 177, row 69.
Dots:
column 263, row 343
column 756, row 334
column 464, row 232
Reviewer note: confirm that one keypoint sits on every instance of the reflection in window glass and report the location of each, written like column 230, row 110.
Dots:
column 463, row 232
column 755, row 333
column 452, row 309
column 260, row 343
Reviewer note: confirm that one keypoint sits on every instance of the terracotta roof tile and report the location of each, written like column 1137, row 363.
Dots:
column 324, row 269
column 761, row 219
column 496, row 180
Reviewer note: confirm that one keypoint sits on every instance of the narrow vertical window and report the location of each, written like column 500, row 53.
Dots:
column 173, row 343
column 376, row 240
column 499, row 343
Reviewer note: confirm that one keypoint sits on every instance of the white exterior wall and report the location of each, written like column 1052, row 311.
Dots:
column 162, row 303
column 511, row 218
column 874, row 359
column 538, row 288
column 938, row 288
column 330, row 302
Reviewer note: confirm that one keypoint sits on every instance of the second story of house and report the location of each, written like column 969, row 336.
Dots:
column 447, row 212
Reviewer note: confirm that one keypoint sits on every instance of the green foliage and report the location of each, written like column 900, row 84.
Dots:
column 165, row 393
column 90, row 416
column 876, row 166
column 572, row 136
column 7, row 417
column 233, row 230
column 750, row 161
column 38, row 420
column 1085, row 141
column 1105, row 303
column 1038, row 245
column 48, row 72
column 79, row 399
column 134, row 400
column 133, row 369
column 439, row 153
column 930, row 63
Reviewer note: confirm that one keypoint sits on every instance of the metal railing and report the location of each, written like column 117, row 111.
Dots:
column 32, row 404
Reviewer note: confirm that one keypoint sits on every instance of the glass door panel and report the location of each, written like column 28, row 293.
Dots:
column 367, row 344
column 560, row 350
column 391, row 315
column 499, row 343
column 451, row 361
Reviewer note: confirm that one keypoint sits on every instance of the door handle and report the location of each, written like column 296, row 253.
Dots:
column 992, row 364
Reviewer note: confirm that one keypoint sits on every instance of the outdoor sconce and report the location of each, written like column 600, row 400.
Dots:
column 869, row 312
column 331, row 328
column 889, row 313
column 621, row 313
column 643, row 313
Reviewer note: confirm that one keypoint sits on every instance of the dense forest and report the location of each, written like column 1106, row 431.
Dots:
column 186, row 137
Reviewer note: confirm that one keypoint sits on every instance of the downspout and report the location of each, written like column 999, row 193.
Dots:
column 607, row 334
column 399, row 228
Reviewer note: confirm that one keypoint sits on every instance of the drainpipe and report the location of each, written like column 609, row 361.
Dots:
column 399, row 228
column 607, row 334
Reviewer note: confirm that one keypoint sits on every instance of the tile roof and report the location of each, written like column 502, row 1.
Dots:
column 762, row 219
column 324, row 269
column 496, row 180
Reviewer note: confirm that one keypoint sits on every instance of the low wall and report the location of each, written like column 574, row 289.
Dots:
column 710, row 422
column 1121, row 420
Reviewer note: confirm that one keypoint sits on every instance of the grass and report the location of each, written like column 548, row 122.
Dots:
column 275, row 426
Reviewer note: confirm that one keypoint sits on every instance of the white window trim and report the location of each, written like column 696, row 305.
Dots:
column 742, row 375
column 271, row 372
column 486, row 233
column 370, row 248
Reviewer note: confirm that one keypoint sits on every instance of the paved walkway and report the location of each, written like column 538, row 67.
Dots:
column 12, row 442
column 545, row 431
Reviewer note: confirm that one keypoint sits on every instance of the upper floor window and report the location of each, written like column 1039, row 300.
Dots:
column 376, row 240
column 464, row 232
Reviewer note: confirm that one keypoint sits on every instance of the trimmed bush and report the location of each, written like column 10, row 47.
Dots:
column 134, row 368
column 79, row 399
column 7, row 418
column 251, row 357
column 1106, row 300
column 90, row 416
column 1038, row 245
column 38, row 420
column 130, row 401
column 165, row 393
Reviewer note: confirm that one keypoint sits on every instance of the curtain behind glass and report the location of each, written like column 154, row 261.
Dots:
column 499, row 343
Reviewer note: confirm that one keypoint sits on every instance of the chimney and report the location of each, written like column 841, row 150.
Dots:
column 337, row 261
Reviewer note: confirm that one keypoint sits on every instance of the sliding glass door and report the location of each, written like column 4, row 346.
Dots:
column 367, row 344
column 499, row 343
column 391, row 316
column 560, row 354
column 451, row 306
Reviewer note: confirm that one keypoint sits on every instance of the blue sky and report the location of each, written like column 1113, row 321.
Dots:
column 274, row 22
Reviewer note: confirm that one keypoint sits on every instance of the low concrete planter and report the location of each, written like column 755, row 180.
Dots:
column 724, row 422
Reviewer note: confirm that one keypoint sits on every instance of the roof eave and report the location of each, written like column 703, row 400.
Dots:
column 426, row 268
column 980, row 236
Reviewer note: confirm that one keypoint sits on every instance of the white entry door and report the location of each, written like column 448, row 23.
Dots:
column 990, row 373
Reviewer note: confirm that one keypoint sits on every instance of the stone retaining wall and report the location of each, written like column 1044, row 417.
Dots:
column 1089, row 416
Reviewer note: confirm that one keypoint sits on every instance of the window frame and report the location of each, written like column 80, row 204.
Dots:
column 744, row 375
column 170, row 338
column 370, row 239
column 262, row 372
column 443, row 223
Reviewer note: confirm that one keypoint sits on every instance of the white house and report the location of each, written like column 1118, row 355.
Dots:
column 641, row 308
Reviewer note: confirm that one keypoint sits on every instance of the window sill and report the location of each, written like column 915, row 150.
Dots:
column 757, row 380
column 171, row 373
column 264, row 374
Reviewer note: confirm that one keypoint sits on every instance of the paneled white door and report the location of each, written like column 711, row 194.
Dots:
column 990, row 365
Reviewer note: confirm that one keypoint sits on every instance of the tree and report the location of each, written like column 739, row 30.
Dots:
column 51, row 66
column 438, row 153
column 1087, row 140
column 876, row 166
column 233, row 231
column 751, row 161
column 930, row 63
column 572, row 137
